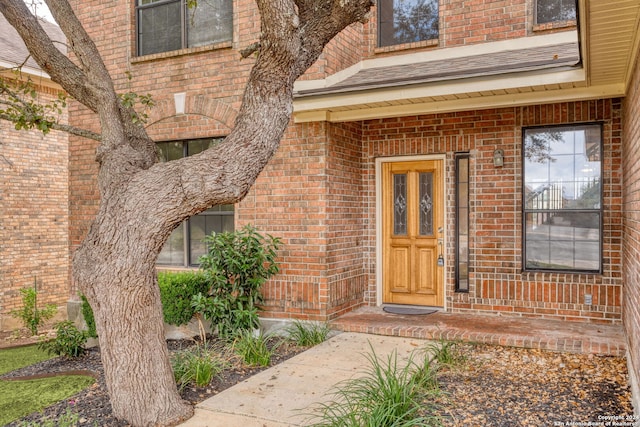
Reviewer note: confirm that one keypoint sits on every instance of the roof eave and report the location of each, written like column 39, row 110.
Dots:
column 8, row 69
column 456, row 95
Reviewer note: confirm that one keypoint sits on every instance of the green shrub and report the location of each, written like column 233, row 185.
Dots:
column 386, row 395
column 307, row 334
column 69, row 341
column 87, row 313
column 32, row 317
column 237, row 265
column 176, row 292
column 197, row 365
column 253, row 349
column 447, row 353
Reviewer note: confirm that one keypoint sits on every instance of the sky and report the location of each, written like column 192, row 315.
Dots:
column 41, row 9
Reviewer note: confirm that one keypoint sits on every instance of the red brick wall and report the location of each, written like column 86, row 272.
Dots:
column 311, row 195
column 289, row 201
column 631, row 221
column 496, row 281
column 34, row 217
column 346, row 49
column 467, row 22
column 212, row 77
column 477, row 21
column 346, row 222
column 318, row 194
column 213, row 80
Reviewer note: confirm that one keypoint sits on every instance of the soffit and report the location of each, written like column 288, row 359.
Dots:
column 611, row 40
column 532, row 70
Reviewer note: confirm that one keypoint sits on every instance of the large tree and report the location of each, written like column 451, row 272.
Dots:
column 143, row 200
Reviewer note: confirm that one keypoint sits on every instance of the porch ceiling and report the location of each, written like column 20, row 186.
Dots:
column 532, row 70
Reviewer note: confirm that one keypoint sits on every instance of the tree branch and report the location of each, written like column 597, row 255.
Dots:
column 287, row 47
column 49, row 58
column 64, row 128
column 77, row 131
column 249, row 50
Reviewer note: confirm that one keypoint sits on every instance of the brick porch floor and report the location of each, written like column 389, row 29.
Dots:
column 544, row 334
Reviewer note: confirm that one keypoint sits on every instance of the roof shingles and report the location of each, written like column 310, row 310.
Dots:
column 12, row 48
column 538, row 58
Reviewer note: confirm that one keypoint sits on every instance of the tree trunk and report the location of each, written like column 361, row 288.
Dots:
column 143, row 201
column 124, row 293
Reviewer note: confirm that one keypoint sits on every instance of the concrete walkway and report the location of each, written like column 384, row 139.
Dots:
column 280, row 396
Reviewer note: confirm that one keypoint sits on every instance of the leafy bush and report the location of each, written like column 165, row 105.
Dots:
column 69, row 341
column 237, row 265
column 32, row 317
column 176, row 292
column 87, row 313
column 197, row 365
column 386, row 395
column 307, row 334
column 253, row 349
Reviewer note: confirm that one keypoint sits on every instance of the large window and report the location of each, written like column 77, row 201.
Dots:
column 555, row 10
column 563, row 198
column 407, row 21
column 186, row 245
column 166, row 25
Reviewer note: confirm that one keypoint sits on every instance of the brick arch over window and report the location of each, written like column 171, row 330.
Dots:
column 203, row 117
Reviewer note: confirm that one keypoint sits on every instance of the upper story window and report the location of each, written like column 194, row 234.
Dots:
column 166, row 25
column 563, row 198
column 407, row 21
column 186, row 244
column 555, row 10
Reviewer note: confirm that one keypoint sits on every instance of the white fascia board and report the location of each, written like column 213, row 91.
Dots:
column 442, row 88
column 24, row 69
column 467, row 104
column 330, row 80
column 43, row 79
column 441, row 54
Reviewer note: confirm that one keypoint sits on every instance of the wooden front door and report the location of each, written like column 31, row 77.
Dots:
column 413, row 233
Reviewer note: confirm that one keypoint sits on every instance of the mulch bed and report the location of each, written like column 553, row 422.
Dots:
column 93, row 406
column 496, row 386
column 505, row 386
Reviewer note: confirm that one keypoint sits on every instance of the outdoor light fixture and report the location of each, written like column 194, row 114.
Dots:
column 498, row 158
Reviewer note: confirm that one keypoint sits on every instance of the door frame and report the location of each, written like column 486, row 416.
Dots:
column 379, row 261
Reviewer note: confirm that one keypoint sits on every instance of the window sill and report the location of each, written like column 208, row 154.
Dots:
column 556, row 25
column 529, row 273
column 406, row 46
column 181, row 52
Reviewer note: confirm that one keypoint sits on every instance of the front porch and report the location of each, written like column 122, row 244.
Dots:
column 537, row 333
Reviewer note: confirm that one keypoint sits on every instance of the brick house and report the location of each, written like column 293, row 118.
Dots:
column 33, row 193
column 476, row 156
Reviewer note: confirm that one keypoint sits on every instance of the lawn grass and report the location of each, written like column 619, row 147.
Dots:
column 21, row 398
column 16, row 358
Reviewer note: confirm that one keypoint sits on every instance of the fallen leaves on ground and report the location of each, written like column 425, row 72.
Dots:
column 506, row 386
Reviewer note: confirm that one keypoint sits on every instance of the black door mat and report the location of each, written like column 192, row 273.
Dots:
column 399, row 309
